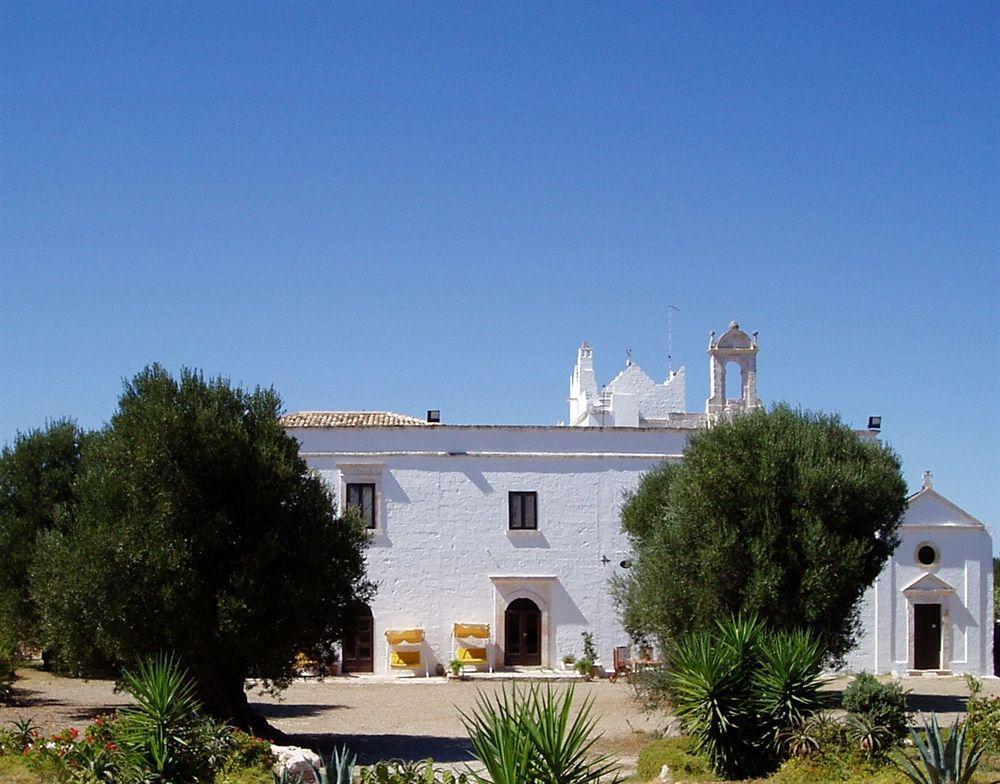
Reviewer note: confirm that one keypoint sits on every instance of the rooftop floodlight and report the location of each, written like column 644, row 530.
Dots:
column 874, row 423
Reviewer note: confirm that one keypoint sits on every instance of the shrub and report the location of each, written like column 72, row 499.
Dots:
column 741, row 690
column 679, row 755
column 983, row 716
column 244, row 776
column 530, row 736
column 879, row 704
column 842, row 768
column 7, row 661
column 246, row 751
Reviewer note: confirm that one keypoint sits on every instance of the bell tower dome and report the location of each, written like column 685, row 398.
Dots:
column 739, row 349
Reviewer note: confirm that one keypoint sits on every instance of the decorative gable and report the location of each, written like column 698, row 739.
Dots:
column 928, row 583
column 930, row 508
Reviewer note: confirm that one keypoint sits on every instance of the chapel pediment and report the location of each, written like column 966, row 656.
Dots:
column 928, row 583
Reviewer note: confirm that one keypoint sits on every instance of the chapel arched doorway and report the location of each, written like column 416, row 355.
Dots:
column 522, row 634
column 359, row 641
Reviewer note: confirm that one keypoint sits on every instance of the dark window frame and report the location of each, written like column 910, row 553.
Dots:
column 518, row 499
column 371, row 524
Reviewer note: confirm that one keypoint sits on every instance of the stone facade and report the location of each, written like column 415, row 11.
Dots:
column 473, row 524
column 931, row 608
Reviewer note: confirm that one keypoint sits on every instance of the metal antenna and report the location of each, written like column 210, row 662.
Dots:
column 670, row 338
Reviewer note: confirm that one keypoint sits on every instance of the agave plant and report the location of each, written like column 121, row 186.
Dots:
column 338, row 769
column 25, row 731
column 534, row 737
column 870, row 736
column 942, row 762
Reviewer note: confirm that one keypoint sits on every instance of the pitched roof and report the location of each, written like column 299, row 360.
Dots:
column 350, row 419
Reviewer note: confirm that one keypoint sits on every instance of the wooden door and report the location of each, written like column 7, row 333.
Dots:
column 359, row 643
column 522, row 634
column 927, row 636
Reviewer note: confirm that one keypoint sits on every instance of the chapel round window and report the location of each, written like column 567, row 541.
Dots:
column 927, row 555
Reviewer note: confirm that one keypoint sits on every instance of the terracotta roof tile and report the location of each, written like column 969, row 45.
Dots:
column 350, row 419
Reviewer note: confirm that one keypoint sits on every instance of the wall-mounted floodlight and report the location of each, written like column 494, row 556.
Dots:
column 874, row 423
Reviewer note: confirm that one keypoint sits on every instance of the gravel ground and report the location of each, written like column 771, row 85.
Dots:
column 410, row 719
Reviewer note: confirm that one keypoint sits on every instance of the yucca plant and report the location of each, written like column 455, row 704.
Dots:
column 942, row 762
column 533, row 736
column 156, row 734
column 788, row 679
column 710, row 687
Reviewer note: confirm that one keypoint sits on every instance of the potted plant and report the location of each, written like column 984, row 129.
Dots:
column 569, row 661
column 455, row 665
column 586, row 668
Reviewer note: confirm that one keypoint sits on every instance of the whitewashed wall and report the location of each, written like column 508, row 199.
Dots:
column 443, row 524
column 966, row 564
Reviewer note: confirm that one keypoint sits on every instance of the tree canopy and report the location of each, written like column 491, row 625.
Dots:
column 786, row 514
column 198, row 529
column 36, row 495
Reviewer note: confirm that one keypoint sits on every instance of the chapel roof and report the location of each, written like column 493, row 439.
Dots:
column 351, row 419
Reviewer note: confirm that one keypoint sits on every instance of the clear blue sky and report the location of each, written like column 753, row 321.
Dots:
column 407, row 206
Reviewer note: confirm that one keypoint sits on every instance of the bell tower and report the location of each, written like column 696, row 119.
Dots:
column 739, row 349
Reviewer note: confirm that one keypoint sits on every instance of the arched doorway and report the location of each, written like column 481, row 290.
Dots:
column 522, row 634
column 359, row 642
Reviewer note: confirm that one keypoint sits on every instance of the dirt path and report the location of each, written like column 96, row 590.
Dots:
column 410, row 719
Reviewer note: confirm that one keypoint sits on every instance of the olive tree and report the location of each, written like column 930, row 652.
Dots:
column 37, row 473
column 785, row 514
column 199, row 530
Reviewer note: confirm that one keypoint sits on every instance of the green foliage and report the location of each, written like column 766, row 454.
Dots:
column 532, row 736
column 783, row 513
column 869, row 736
column 586, row 665
column 835, row 769
column 878, row 705
column 742, row 690
column 244, row 776
column 399, row 772
column 160, row 736
column 247, row 751
column 8, row 658
column 36, row 495
column 196, row 525
column 679, row 755
column 983, row 716
column 950, row 761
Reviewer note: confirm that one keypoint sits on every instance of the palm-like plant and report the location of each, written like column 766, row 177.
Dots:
column 534, row 737
column 942, row 762
column 872, row 738
column 788, row 679
column 711, row 692
column 156, row 734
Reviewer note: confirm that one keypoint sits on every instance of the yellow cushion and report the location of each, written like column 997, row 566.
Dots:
column 404, row 659
column 472, row 655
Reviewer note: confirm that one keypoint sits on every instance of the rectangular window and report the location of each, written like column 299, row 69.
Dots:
column 523, row 511
column 362, row 498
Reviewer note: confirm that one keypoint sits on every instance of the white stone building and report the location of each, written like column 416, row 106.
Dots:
column 517, row 528
column 931, row 608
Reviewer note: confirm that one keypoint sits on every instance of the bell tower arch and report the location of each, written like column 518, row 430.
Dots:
column 734, row 348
